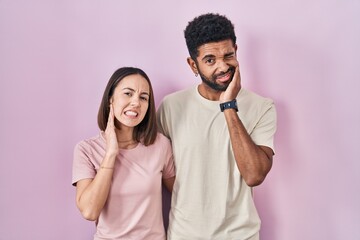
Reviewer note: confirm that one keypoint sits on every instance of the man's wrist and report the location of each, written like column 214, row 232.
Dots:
column 229, row 105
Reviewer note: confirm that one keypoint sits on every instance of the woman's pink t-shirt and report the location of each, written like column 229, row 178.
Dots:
column 134, row 207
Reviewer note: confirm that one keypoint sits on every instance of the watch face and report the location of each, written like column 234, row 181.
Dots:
column 232, row 104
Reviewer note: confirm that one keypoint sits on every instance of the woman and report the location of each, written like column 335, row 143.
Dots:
column 118, row 173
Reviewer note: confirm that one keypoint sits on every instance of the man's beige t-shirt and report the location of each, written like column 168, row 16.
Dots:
column 210, row 199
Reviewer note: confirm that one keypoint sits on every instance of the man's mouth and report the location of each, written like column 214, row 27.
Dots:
column 226, row 77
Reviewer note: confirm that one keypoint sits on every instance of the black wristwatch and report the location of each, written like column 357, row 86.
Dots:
column 226, row 105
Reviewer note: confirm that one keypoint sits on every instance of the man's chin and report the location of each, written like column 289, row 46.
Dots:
column 222, row 86
column 218, row 87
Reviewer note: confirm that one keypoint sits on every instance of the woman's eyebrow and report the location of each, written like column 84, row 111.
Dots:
column 128, row 88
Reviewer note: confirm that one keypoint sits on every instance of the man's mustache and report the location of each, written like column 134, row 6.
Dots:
column 230, row 70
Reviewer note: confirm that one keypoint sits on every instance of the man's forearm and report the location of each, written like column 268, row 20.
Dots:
column 253, row 161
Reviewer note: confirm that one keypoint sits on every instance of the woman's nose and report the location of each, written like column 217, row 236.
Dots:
column 135, row 101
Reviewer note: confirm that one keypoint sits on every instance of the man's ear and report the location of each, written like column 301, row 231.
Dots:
column 192, row 65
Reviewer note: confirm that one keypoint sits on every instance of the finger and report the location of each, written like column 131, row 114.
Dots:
column 111, row 117
column 237, row 75
column 235, row 79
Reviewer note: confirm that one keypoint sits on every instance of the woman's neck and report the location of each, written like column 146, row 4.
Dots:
column 125, row 138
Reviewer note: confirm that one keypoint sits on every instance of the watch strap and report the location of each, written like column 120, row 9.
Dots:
column 231, row 104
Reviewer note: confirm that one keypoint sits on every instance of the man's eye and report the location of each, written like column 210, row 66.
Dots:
column 210, row 61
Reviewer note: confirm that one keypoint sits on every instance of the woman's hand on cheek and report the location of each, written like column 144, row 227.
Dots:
column 112, row 146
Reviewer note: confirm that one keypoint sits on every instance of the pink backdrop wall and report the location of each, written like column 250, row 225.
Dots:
column 56, row 57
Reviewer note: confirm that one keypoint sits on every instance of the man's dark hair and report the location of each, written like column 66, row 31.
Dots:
column 207, row 28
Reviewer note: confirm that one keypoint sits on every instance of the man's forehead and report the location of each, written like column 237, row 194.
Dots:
column 216, row 48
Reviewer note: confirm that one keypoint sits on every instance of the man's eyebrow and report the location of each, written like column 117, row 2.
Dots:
column 229, row 54
column 213, row 56
column 208, row 56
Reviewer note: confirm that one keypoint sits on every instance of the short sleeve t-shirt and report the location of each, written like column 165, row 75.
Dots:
column 210, row 199
column 134, row 207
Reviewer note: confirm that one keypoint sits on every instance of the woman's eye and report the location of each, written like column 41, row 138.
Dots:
column 128, row 93
column 144, row 98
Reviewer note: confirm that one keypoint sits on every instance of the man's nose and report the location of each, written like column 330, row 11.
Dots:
column 222, row 66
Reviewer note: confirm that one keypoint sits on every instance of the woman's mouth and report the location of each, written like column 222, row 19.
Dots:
column 131, row 113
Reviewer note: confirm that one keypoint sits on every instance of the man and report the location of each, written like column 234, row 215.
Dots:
column 222, row 138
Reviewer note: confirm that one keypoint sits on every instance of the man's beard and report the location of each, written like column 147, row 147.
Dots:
column 212, row 81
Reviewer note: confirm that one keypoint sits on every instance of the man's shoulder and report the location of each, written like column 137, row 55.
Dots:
column 181, row 95
column 248, row 96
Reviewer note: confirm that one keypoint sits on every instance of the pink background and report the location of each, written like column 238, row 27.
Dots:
column 57, row 56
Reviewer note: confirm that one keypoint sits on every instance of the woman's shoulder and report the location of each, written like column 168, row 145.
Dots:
column 161, row 141
column 91, row 142
column 161, row 137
